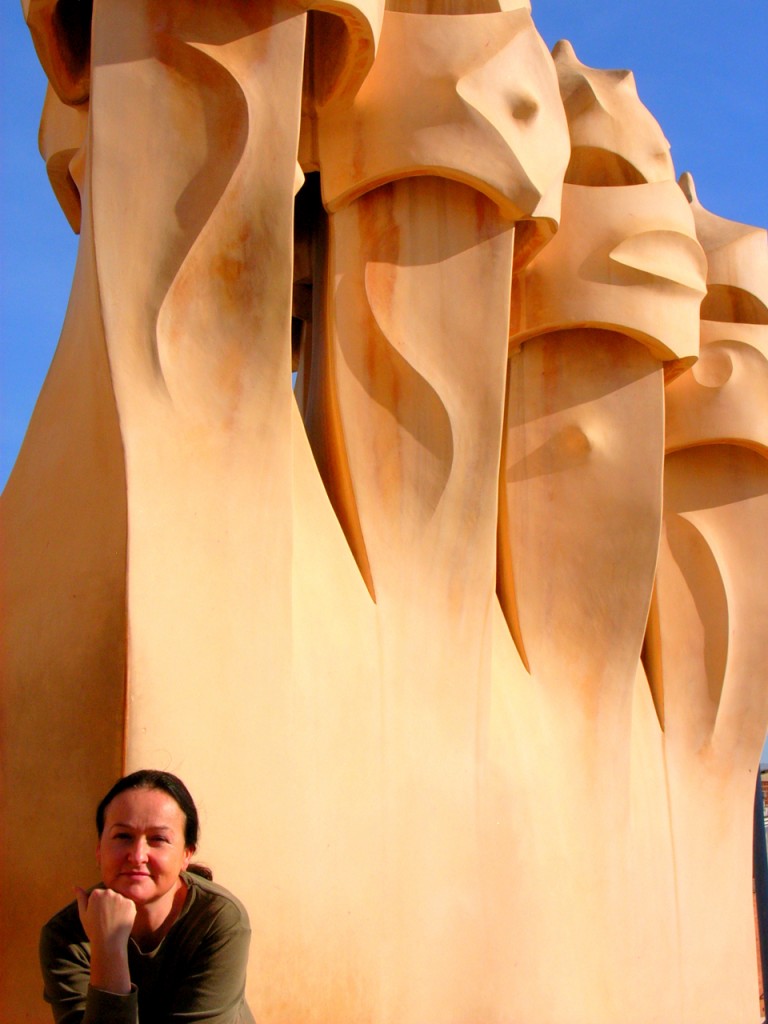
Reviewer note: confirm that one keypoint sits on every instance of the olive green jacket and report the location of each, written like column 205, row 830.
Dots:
column 196, row 974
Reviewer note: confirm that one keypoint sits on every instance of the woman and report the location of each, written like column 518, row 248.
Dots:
column 157, row 942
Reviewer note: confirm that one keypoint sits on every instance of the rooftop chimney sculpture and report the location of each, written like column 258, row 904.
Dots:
column 460, row 643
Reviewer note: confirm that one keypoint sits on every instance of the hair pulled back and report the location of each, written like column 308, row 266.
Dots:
column 165, row 782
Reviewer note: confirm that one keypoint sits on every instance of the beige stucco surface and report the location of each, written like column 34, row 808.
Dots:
column 459, row 646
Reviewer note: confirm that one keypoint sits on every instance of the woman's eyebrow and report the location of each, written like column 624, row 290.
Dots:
column 150, row 828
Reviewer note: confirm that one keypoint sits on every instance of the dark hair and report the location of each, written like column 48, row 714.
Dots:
column 165, row 782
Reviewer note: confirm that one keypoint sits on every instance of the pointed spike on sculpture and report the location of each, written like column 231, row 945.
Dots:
column 688, row 185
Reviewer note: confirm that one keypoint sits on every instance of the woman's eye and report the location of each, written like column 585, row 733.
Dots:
column 158, row 839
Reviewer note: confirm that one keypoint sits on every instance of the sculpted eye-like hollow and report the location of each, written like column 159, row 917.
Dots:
column 72, row 19
column 731, row 305
column 590, row 165
column 523, row 108
column 713, row 369
column 572, row 443
column 61, row 32
column 329, row 47
column 664, row 254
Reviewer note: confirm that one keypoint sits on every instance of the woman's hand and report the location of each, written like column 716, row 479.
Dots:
column 107, row 918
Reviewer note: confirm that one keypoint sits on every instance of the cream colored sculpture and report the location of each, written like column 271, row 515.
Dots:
column 466, row 673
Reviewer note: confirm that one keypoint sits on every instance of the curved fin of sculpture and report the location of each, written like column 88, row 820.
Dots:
column 403, row 384
column 663, row 254
column 321, row 413
column 714, row 496
column 691, row 593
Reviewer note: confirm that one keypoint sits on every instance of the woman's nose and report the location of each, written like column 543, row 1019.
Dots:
column 138, row 851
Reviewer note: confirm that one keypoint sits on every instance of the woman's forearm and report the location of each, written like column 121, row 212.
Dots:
column 109, row 968
column 107, row 918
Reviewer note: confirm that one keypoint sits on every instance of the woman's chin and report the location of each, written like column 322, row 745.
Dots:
column 135, row 887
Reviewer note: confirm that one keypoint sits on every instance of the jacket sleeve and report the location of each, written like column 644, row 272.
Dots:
column 65, row 962
column 199, row 980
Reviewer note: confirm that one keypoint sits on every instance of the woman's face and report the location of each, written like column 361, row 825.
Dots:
column 141, row 850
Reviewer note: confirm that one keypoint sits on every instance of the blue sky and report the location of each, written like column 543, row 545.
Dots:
column 700, row 68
